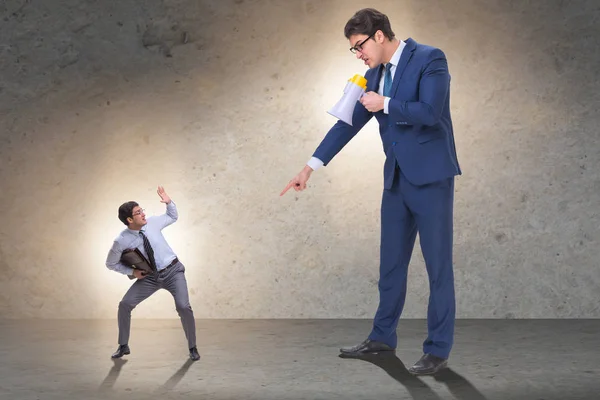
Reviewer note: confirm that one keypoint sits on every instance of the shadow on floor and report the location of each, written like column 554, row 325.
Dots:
column 115, row 370
column 460, row 387
column 390, row 363
column 177, row 376
column 113, row 374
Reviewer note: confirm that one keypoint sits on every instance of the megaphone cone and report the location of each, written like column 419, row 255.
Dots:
column 344, row 109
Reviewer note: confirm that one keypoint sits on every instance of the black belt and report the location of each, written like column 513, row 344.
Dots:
column 175, row 261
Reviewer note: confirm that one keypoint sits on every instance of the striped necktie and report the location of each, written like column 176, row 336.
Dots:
column 149, row 251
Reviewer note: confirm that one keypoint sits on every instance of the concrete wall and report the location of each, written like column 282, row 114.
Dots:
column 223, row 102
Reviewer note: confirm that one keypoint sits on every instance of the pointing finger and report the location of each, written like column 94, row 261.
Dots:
column 289, row 185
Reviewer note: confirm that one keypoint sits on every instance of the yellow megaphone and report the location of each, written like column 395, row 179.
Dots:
column 354, row 90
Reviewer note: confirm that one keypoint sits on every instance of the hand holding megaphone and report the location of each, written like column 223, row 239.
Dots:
column 372, row 101
column 354, row 90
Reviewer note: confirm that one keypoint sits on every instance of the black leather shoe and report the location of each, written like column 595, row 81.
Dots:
column 121, row 351
column 368, row 346
column 194, row 354
column 428, row 365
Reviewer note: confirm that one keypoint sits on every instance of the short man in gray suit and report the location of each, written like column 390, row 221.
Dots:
column 167, row 272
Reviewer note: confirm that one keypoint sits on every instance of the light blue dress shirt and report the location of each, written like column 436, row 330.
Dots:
column 129, row 239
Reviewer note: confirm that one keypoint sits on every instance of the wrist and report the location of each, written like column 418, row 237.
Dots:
column 307, row 169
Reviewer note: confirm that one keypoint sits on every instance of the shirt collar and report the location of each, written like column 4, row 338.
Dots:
column 136, row 232
column 396, row 56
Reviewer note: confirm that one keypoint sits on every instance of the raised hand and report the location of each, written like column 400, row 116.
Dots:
column 164, row 197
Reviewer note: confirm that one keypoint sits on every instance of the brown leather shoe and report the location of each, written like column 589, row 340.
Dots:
column 428, row 365
column 367, row 346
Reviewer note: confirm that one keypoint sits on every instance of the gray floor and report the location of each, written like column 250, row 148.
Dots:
column 295, row 359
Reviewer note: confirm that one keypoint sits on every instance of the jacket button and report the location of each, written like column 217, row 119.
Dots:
column 393, row 143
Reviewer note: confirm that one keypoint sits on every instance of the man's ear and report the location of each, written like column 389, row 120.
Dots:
column 129, row 219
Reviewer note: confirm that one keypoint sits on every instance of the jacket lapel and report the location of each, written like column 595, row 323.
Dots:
column 373, row 85
column 407, row 54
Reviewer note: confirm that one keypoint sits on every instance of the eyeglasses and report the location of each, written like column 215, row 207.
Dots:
column 138, row 212
column 358, row 46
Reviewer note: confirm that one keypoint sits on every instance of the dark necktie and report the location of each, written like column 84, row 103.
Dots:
column 149, row 251
column 387, row 83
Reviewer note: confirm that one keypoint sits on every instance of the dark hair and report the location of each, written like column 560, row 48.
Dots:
column 368, row 21
column 126, row 211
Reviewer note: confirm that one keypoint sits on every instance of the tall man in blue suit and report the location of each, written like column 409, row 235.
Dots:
column 408, row 92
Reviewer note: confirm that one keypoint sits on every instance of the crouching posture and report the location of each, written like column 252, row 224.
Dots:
column 141, row 252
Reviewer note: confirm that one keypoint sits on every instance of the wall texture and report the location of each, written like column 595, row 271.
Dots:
column 223, row 102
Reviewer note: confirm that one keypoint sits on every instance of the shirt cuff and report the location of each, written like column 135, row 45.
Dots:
column 314, row 163
column 386, row 103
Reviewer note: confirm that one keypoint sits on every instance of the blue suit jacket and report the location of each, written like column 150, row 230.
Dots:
column 417, row 132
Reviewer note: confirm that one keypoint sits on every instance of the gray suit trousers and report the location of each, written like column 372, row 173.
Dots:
column 173, row 280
